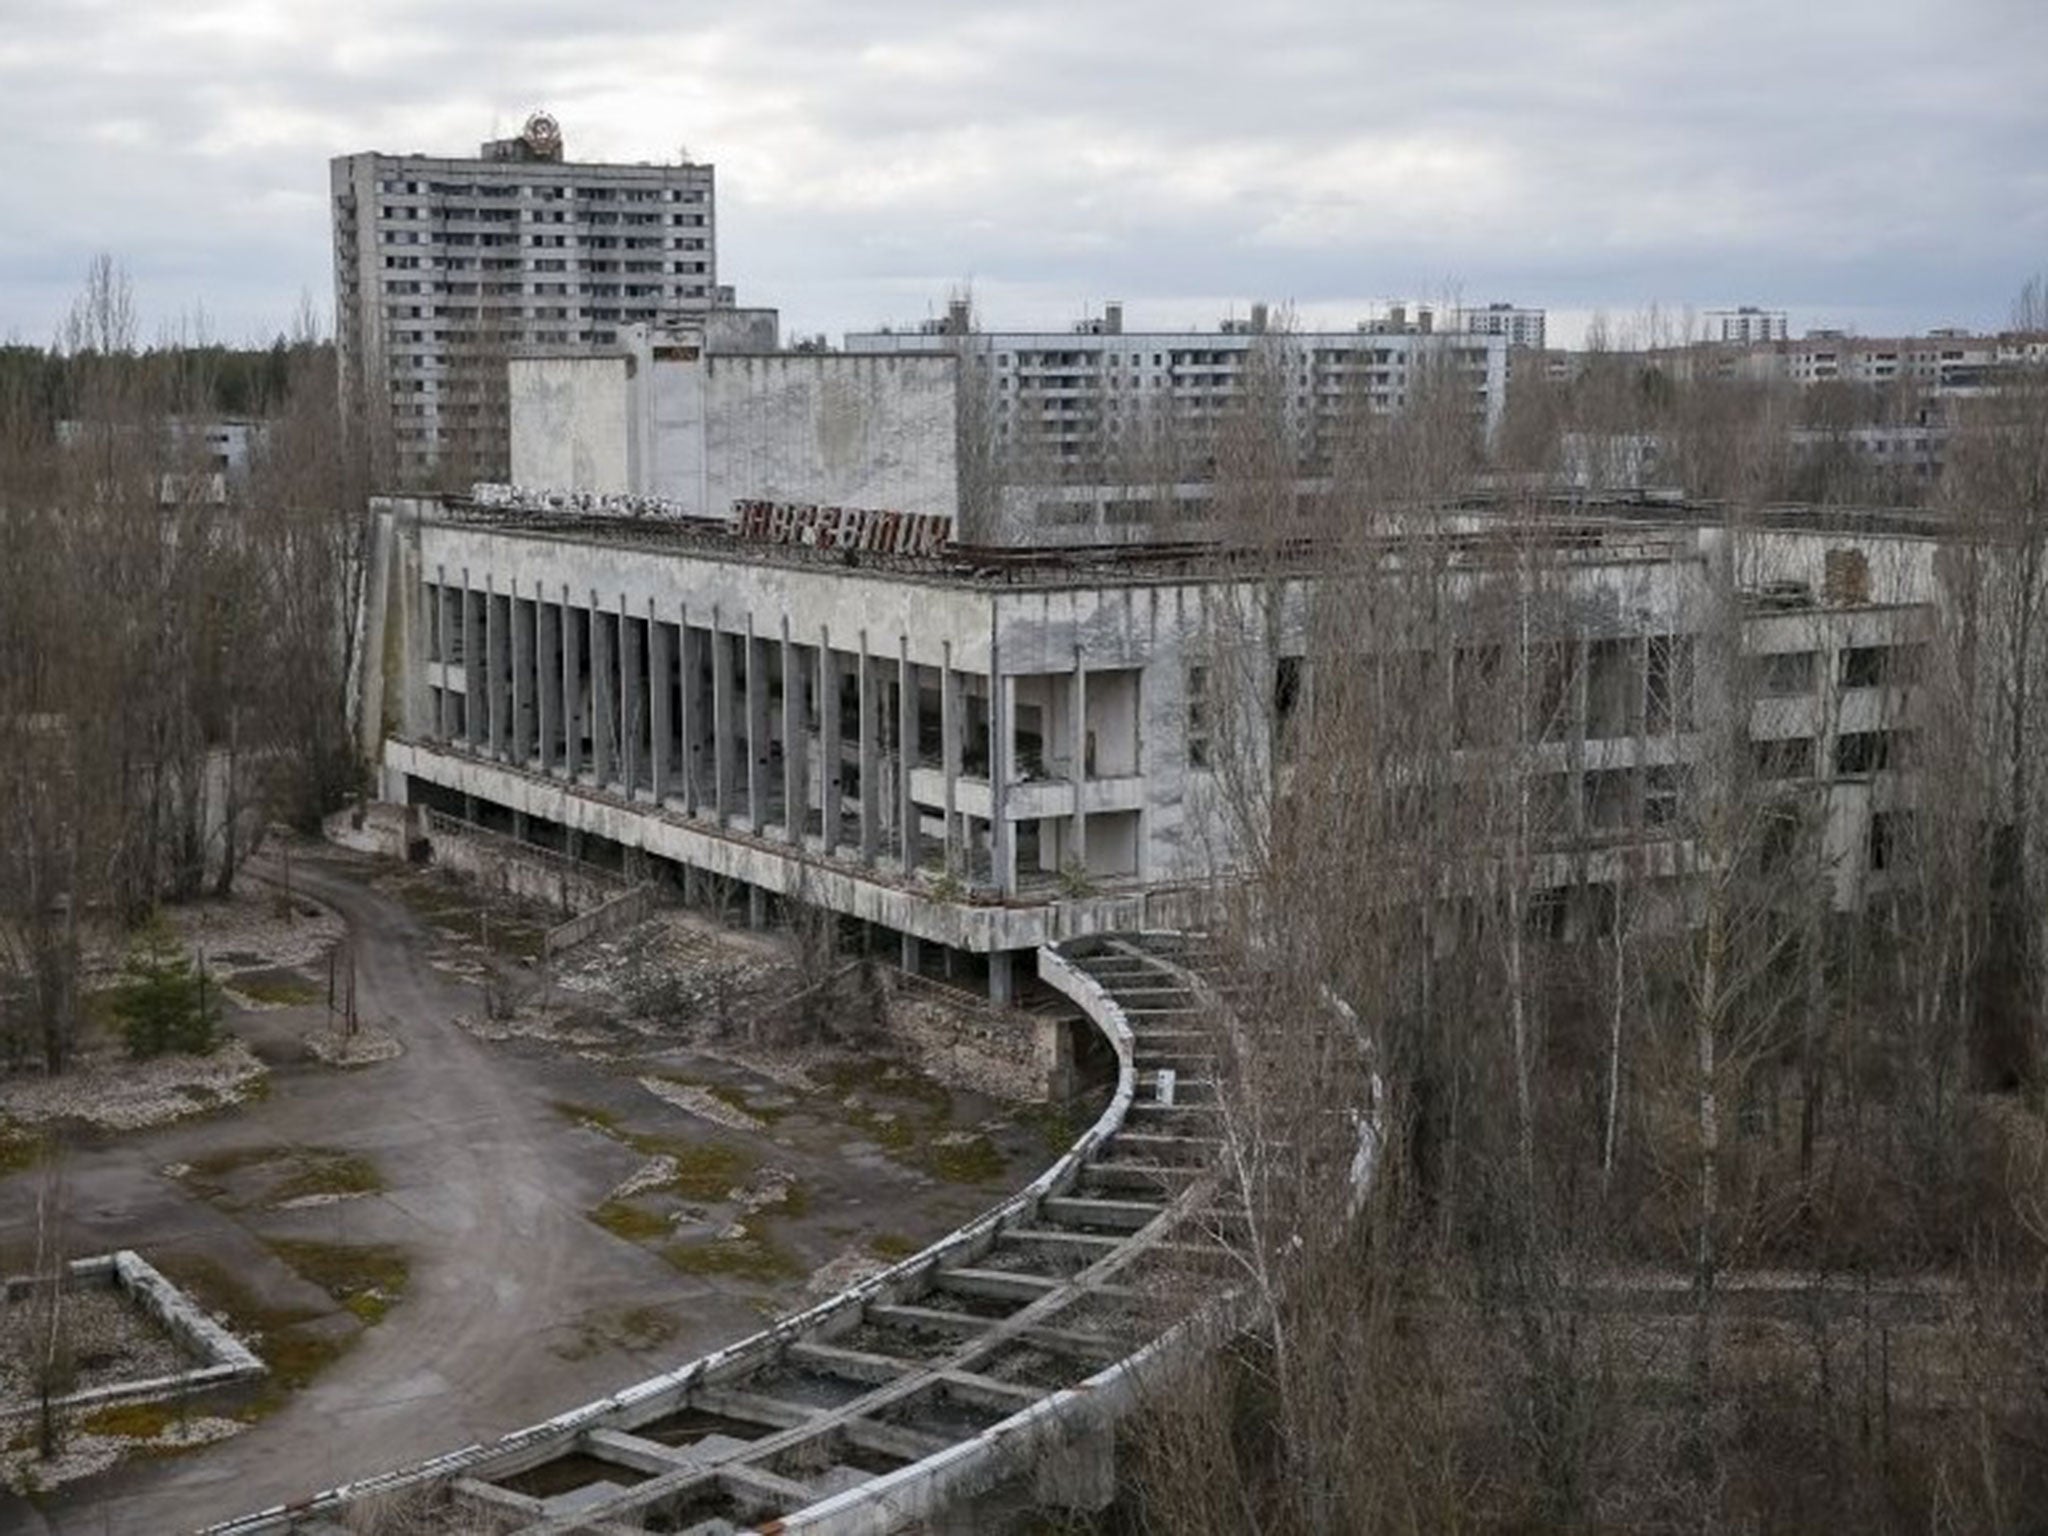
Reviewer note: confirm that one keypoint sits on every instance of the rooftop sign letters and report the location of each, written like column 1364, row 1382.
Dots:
column 863, row 528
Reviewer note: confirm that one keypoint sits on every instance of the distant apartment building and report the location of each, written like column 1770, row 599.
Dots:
column 1103, row 435
column 443, row 267
column 1746, row 324
column 1521, row 327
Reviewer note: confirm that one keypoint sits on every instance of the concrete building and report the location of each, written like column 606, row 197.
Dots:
column 444, row 266
column 1100, row 435
column 1746, row 324
column 975, row 755
column 1521, row 327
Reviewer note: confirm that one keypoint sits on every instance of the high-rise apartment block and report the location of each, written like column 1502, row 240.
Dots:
column 1522, row 327
column 443, row 267
column 1746, row 324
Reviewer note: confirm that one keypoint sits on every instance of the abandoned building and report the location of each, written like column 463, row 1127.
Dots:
column 978, row 752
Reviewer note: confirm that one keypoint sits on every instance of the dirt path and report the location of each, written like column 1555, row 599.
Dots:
column 486, row 1190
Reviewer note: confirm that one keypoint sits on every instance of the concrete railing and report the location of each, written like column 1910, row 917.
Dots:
column 614, row 916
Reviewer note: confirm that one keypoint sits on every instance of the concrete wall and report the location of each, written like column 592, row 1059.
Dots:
column 570, row 427
column 823, row 427
column 669, row 417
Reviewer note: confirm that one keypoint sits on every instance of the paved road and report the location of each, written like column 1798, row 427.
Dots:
column 486, row 1190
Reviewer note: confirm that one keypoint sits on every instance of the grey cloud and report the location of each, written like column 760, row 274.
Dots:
column 1830, row 156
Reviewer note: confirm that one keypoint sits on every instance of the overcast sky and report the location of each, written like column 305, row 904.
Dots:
column 1877, row 164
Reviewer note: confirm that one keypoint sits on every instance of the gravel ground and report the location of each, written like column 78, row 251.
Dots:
column 110, row 1340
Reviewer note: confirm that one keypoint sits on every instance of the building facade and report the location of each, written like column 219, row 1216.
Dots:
column 444, row 267
column 975, row 758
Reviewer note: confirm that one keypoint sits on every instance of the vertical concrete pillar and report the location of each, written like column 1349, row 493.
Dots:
column 604, row 689
column 547, row 644
column 472, row 667
column 913, row 954
column 721, row 721
column 757, row 907
column 1001, row 980
column 870, row 759
column 575, row 635
column 521, row 722
column 690, row 710
column 949, row 753
column 831, row 786
column 1001, row 735
column 632, row 706
column 796, row 794
column 1079, row 852
column 661, row 668
column 497, row 666
column 907, row 729
column 757, row 731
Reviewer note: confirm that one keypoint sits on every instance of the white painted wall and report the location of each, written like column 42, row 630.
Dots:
column 570, row 426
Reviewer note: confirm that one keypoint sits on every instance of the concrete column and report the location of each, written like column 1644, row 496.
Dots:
column 690, row 725
column 547, row 629
column 1001, row 980
column 796, row 790
column 831, row 786
column 1080, row 848
column 906, row 754
column 443, row 652
column 472, row 666
column 757, row 730
column 1001, row 734
column 523, row 710
column 575, row 636
column 661, row 666
column 949, row 753
column 604, row 690
column 913, row 954
column 497, row 664
column 757, row 907
column 721, row 722
column 870, row 759
column 632, row 706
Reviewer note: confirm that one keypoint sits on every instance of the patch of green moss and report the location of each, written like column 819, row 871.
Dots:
column 631, row 1222
column 752, row 1257
column 131, row 1421
column 322, row 1171
column 303, row 1171
column 366, row 1278
column 601, row 1120
column 20, row 1148
column 893, row 1246
column 973, row 1161
column 294, row 1352
column 276, row 990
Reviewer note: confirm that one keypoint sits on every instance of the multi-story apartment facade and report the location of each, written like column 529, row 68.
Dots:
column 1522, row 327
column 443, row 267
column 1101, row 435
column 1746, row 324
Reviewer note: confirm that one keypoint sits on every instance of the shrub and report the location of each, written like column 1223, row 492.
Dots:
column 162, row 1002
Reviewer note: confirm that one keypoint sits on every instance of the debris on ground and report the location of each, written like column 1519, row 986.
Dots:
column 702, row 1103
column 109, row 1092
column 368, row 1044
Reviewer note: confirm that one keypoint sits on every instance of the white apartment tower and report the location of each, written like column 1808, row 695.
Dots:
column 1746, row 324
column 443, row 267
